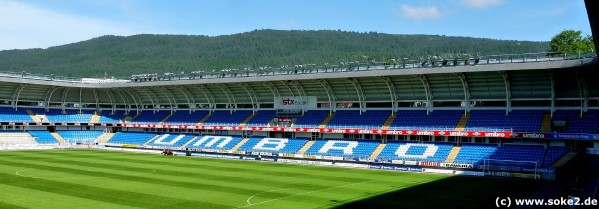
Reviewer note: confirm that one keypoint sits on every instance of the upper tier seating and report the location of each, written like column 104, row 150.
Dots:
column 430, row 152
column 70, row 116
column 149, row 117
column 344, row 148
column 226, row 118
column 420, row 120
column 184, row 117
column 138, row 138
column 497, row 120
column 587, row 124
column 215, row 142
column 43, row 137
column 108, row 117
column 280, row 145
column 9, row 114
column 171, row 140
column 262, row 118
column 312, row 118
column 79, row 136
column 353, row 119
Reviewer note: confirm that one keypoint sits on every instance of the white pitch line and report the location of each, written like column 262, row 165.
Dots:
column 301, row 193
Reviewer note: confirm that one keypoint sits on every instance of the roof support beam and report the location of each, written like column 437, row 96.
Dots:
column 112, row 102
column 330, row 94
column 286, row 83
column 359, row 92
column 273, row 89
column 65, row 93
column 155, row 105
column 462, row 78
column 172, row 102
column 427, row 91
column 138, row 101
column 253, row 98
column 584, row 92
column 49, row 95
column 190, row 103
column 392, row 92
column 508, row 91
column 230, row 97
column 209, row 96
column 300, row 89
column 17, row 93
column 552, row 83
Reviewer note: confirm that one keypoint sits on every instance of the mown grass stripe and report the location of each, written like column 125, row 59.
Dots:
column 135, row 199
column 206, row 174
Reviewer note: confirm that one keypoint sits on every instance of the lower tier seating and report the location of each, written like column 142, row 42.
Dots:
column 171, row 140
column 343, row 148
column 430, row 152
column 280, row 145
column 131, row 138
column 79, row 136
column 215, row 142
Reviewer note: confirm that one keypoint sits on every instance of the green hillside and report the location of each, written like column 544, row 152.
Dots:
column 122, row 56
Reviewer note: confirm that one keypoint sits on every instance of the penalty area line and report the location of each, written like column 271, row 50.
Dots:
column 297, row 194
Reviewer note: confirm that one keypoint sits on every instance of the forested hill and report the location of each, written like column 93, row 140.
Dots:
column 123, row 56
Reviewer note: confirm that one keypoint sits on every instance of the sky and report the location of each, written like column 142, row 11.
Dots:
column 45, row 23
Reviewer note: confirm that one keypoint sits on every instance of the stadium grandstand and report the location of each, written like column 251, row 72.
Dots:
column 526, row 114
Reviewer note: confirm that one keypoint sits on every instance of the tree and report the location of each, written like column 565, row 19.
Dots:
column 571, row 42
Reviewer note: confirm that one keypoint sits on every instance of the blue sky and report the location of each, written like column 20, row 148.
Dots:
column 45, row 23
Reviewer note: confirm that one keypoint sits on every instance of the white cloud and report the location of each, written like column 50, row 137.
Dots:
column 28, row 26
column 481, row 4
column 419, row 13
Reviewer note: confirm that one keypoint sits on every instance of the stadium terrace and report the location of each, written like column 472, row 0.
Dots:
column 470, row 117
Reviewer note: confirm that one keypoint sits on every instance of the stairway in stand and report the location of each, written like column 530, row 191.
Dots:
column 305, row 147
column 326, row 120
column 462, row 122
column 377, row 151
column 455, row 150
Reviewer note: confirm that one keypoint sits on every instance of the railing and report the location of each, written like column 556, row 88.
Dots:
column 312, row 69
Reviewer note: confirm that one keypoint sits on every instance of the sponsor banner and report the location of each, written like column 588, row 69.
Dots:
column 284, row 119
column 409, row 162
column 332, row 158
column 573, row 136
column 430, row 164
column 470, row 173
column 539, row 170
column 414, row 169
column 375, row 166
column 440, row 171
column 397, row 162
column 456, row 165
column 311, row 157
column 130, row 145
column 531, row 135
column 386, row 167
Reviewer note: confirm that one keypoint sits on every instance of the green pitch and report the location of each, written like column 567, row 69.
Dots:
column 104, row 179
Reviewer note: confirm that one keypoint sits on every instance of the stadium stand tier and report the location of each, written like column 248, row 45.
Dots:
column 149, row 117
column 357, row 119
column 429, row 152
column 343, row 148
column 79, row 136
column 215, row 142
column 279, row 145
column 171, row 140
column 138, row 138
column 312, row 118
column 9, row 114
column 225, row 117
column 184, row 117
column 498, row 120
column 421, row 120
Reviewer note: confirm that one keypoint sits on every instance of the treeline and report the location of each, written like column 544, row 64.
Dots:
column 123, row 56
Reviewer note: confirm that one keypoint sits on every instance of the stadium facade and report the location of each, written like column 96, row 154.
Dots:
column 518, row 115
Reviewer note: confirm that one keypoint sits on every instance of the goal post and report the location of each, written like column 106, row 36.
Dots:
column 494, row 166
